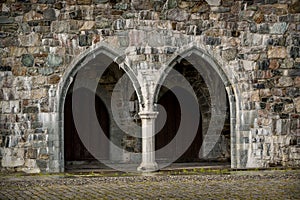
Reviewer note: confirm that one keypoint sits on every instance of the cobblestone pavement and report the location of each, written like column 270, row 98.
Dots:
column 275, row 184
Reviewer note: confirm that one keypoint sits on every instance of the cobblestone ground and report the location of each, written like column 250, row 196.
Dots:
column 273, row 184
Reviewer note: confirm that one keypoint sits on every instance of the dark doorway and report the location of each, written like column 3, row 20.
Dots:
column 74, row 148
column 171, row 105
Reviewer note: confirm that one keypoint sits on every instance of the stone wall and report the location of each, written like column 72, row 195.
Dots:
column 256, row 44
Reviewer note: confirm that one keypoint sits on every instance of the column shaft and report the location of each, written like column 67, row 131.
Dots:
column 148, row 142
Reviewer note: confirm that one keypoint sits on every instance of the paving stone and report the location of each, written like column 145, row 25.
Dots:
column 273, row 184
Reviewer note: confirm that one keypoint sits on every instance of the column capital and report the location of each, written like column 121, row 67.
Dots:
column 148, row 114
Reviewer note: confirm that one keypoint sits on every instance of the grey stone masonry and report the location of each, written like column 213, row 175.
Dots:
column 254, row 46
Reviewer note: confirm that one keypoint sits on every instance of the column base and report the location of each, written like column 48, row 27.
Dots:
column 148, row 167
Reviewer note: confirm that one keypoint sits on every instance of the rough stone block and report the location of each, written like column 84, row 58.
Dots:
column 213, row 2
column 278, row 41
column 293, row 92
column 32, row 16
column 27, row 60
column 83, row 2
column 31, row 153
column 212, row 41
column 100, row 1
column 278, row 28
column 282, row 127
column 49, row 14
column 177, row 15
column 42, row 164
column 85, row 40
column 60, row 26
column 32, row 39
column 13, row 157
column 31, row 109
column 263, row 28
column 297, row 104
column 229, row 54
column 264, row 64
column 54, row 60
column 277, row 52
column 295, row 52
column 144, row 5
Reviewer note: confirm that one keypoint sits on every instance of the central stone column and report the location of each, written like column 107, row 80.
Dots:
column 148, row 141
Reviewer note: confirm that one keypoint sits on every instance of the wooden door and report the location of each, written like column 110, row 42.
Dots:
column 74, row 148
column 169, row 130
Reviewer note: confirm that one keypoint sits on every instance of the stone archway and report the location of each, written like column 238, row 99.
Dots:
column 214, row 76
column 100, row 56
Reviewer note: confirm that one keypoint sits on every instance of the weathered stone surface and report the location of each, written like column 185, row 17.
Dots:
column 277, row 52
column 293, row 92
column 295, row 52
column 49, row 14
column 19, row 71
column 277, row 107
column 100, row 1
column 274, row 64
column 32, row 16
column 295, row 7
column 297, row 104
column 46, row 71
column 46, row 1
column 285, row 81
column 13, row 158
column 60, row 26
column 213, row 2
column 119, row 24
column 264, row 64
column 177, row 15
column 31, row 110
column 220, row 9
column 141, row 4
column 297, row 81
column 54, row 60
column 27, row 60
column 85, row 40
column 9, row 41
column 212, row 41
column 279, row 28
column 54, row 79
column 229, row 54
column 87, row 25
column 277, row 41
column 6, row 20
column 102, row 23
column 32, row 39
column 83, row 2
column 263, row 28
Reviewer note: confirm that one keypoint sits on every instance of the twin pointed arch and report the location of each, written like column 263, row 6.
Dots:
column 102, row 49
column 120, row 58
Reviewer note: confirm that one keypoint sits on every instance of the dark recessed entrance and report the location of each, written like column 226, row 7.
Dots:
column 74, row 148
column 171, row 105
column 221, row 150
